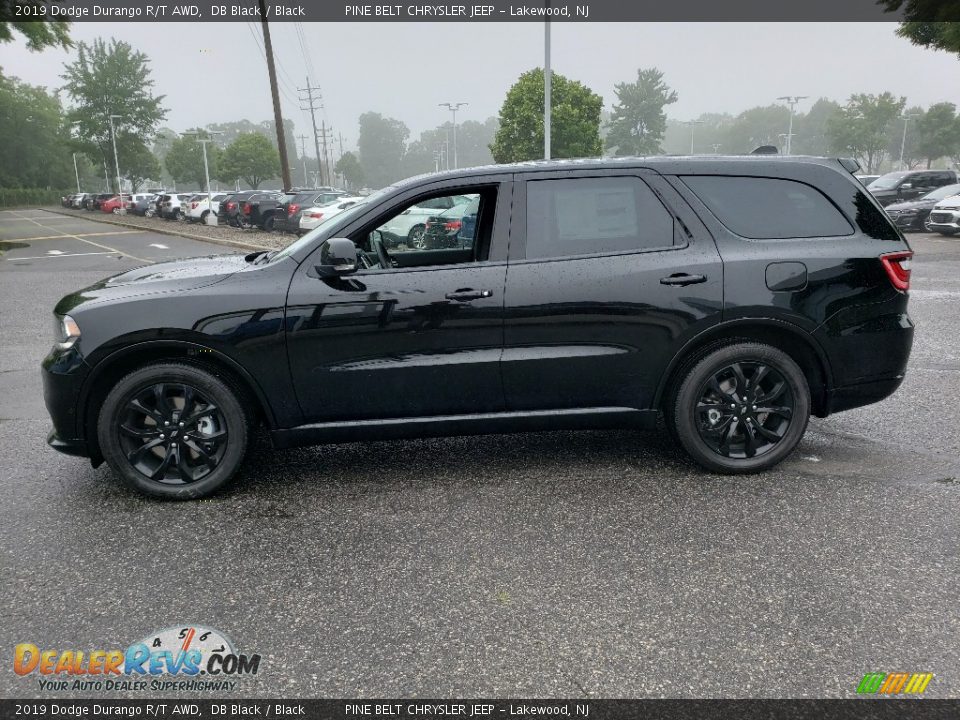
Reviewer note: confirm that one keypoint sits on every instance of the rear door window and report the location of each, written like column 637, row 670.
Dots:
column 592, row 215
column 769, row 208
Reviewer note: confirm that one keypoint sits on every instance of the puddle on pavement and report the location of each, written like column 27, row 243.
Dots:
column 10, row 245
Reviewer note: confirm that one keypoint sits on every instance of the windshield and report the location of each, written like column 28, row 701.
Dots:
column 944, row 192
column 887, row 182
column 346, row 215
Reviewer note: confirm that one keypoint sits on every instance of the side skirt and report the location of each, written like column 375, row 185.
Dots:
column 477, row 424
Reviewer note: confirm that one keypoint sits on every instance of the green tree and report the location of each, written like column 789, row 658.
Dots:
column 810, row 130
column 137, row 162
column 757, row 126
column 575, row 121
column 250, row 157
column 936, row 132
column 39, row 33
column 381, row 143
column 37, row 151
column 349, row 168
column 638, row 122
column 863, row 127
column 184, row 160
column 111, row 79
column 928, row 23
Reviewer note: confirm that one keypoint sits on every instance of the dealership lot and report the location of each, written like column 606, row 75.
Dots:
column 563, row 564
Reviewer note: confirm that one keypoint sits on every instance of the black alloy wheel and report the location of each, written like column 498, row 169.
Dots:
column 744, row 410
column 172, row 433
column 739, row 406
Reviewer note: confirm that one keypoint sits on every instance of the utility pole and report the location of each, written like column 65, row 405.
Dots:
column 211, row 218
column 277, row 115
column 313, row 104
column 693, row 126
column 792, row 101
column 326, row 159
column 303, row 154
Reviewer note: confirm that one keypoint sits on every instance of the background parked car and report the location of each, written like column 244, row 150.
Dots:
column 408, row 227
column 909, row 184
column 311, row 217
column 111, row 205
column 866, row 179
column 446, row 230
column 913, row 214
column 171, row 205
column 140, row 204
column 79, row 201
column 93, row 202
column 230, row 207
column 945, row 216
column 200, row 206
column 262, row 208
column 288, row 220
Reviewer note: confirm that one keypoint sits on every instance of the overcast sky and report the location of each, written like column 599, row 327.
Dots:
column 404, row 69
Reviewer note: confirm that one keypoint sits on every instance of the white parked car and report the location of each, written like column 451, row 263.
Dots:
column 199, row 206
column 311, row 217
column 408, row 226
column 171, row 205
column 945, row 216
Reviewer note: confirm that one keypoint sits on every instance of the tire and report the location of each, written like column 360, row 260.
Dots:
column 720, row 431
column 180, row 467
column 268, row 222
column 203, row 216
column 947, row 233
column 415, row 237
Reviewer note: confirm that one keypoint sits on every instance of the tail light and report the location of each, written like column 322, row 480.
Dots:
column 314, row 215
column 246, row 208
column 897, row 265
column 452, row 225
column 231, row 205
column 193, row 205
column 292, row 209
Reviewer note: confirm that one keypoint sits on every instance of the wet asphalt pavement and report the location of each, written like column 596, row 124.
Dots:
column 573, row 564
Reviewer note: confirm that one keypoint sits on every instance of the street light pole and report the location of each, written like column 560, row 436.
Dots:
column 903, row 142
column 547, row 90
column 116, row 161
column 693, row 126
column 453, row 107
column 792, row 101
column 211, row 217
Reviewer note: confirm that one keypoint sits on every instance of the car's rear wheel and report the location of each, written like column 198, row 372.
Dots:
column 173, row 431
column 741, row 408
column 415, row 237
column 268, row 223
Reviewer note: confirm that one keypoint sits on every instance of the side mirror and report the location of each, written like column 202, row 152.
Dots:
column 906, row 186
column 338, row 257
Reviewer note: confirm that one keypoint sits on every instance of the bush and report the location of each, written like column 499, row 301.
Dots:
column 23, row 197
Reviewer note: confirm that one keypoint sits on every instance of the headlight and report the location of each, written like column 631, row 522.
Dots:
column 66, row 330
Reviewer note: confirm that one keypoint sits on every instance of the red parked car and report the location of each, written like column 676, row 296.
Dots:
column 111, row 206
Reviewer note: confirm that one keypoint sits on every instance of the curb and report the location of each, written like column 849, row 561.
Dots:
column 165, row 231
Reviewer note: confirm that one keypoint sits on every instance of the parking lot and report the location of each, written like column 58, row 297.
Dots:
column 572, row 564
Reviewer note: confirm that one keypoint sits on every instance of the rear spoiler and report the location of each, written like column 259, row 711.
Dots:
column 850, row 165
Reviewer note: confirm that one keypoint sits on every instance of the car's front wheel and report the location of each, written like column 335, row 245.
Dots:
column 741, row 408
column 415, row 237
column 174, row 431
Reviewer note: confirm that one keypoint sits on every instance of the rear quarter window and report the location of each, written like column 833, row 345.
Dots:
column 769, row 208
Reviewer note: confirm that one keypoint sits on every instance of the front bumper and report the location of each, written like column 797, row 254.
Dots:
column 908, row 221
column 945, row 220
column 63, row 373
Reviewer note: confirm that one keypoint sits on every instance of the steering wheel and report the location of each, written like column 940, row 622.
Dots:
column 381, row 249
column 364, row 260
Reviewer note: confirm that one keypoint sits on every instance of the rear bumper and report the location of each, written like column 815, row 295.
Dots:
column 854, row 396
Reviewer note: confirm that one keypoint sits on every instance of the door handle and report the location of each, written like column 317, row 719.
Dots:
column 468, row 294
column 681, row 279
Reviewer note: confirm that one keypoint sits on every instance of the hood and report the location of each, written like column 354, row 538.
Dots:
column 950, row 203
column 165, row 277
column 911, row 205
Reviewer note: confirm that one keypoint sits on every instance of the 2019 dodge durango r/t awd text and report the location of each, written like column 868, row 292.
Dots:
column 733, row 296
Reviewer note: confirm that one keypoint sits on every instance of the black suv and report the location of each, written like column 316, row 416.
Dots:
column 733, row 296
column 906, row 185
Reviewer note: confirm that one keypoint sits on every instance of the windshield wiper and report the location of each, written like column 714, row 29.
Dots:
column 265, row 257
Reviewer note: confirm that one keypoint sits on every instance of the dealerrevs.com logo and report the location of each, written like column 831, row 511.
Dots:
column 177, row 658
column 897, row 683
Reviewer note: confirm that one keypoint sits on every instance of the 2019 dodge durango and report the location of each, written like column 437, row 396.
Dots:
column 731, row 296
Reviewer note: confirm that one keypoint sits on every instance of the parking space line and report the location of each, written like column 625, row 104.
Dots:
column 79, row 235
column 91, row 242
column 57, row 257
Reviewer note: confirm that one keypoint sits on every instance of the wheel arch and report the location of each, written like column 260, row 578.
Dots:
column 111, row 368
column 794, row 341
